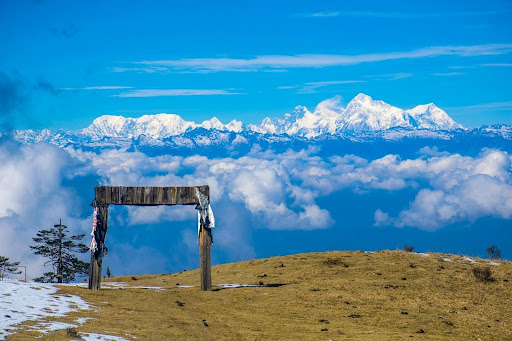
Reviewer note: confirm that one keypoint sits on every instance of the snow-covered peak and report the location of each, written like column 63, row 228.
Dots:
column 363, row 98
column 155, row 126
column 213, row 123
column 365, row 114
column 362, row 114
column 429, row 116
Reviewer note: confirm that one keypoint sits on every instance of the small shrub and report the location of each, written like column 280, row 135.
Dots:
column 494, row 252
column 71, row 332
column 408, row 248
column 483, row 274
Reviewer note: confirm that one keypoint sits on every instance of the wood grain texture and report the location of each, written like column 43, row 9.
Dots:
column 147, row 196
column 205, row 242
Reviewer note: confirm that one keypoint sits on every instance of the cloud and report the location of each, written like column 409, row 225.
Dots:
column 34, row 197
column 498, row 64
column 175, row 92
column 448, row 74
column 259, row 183
column 150, row 69
column 260, row 190
column 279, row 191
column 391, row 76
column 460, row 189
column 311, row 87
column 398, row 15
column 496, row 106
column 269, row 62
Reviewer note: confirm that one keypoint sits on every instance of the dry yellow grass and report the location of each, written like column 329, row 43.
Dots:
column 387, row 295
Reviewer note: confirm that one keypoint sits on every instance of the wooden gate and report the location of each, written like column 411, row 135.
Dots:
column 148, row 196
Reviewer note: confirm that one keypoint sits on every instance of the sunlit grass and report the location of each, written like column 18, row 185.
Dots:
column 316, row 296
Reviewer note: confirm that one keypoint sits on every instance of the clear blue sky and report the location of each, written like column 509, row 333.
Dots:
column 63, row 63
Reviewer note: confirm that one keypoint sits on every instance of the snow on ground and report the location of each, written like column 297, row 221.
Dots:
column 22, row 301
column 115, row 285
column 31, row 301
column 236, row 285
column 100, row 337
column 471, row 260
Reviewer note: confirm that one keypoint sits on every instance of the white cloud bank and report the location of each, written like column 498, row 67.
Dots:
column 281, row 190
column 277, row 191
column 33, row 197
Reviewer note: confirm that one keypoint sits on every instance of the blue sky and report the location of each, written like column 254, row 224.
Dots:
column 65, row 63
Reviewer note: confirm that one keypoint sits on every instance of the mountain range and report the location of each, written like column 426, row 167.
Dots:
column 362, row 119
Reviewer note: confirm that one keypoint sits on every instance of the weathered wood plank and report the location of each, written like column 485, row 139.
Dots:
column 158, row 195
column 147, row 196
column 205, row 242
column 174, row 196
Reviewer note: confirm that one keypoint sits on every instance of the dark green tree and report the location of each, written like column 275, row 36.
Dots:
column 60, row 250
column 7, row 267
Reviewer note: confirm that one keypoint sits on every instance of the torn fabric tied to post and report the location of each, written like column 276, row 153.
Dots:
column 94, row 245
column 205, row 215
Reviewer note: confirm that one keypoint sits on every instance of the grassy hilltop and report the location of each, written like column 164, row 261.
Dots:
column 386, row 295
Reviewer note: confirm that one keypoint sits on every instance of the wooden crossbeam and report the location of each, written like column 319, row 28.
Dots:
column 148, row 196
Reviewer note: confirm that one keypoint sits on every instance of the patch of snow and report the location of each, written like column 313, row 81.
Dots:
column 23, row 301
column 186, row 286
column 82, row 320
column 424, row 254
column 235, row 285
column 100, row 337
column 116, row 285
column 472, row 261
column 446, row 260
column 494, row 263
column 45, row 327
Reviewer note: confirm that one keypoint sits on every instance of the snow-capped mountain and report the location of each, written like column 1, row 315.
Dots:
column 362, row 114
column 159, row 126
column 361, row 120
column 430, row 117
column 155, row 126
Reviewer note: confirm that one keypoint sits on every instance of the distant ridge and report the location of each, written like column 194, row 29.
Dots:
column 362, row 120
column 362, row 114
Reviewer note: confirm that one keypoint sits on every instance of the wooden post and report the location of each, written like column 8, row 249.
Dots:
column 97, row 256
column 205, row 242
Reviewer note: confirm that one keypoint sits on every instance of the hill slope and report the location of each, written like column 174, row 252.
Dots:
column 316, row 296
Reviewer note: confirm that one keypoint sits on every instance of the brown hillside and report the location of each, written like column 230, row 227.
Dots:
column 387, row 295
